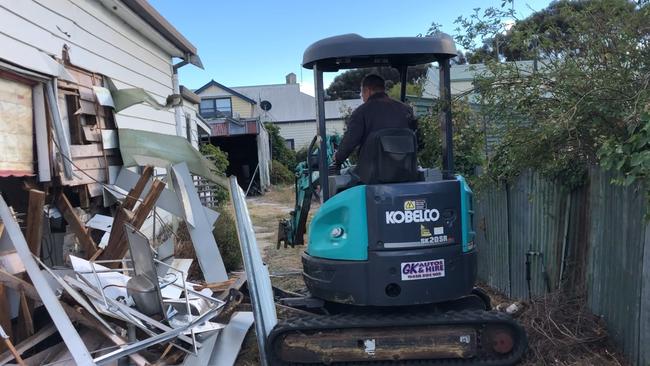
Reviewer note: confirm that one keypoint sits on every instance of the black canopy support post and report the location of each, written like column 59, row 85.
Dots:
column 446, row 124
column 403, row 71
column 322, row 133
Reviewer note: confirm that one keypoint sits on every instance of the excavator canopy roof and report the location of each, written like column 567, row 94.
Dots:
column 350, row 51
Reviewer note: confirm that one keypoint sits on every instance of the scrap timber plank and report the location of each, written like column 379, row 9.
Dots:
column 35, row 220
column 57, row 313
column 117, row 245
column 77, row 225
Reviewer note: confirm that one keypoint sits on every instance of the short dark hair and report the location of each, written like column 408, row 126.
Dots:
column 374, row 82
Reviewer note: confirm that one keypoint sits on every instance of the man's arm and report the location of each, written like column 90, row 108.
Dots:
column 351, row 138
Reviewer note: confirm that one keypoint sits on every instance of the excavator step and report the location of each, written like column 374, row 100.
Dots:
column 470, row 337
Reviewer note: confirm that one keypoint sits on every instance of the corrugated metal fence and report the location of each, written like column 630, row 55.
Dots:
column 594, row 238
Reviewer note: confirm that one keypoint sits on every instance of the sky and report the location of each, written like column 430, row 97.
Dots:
column 257, row 42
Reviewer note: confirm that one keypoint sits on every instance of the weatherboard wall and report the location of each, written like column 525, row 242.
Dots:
column 99, row 41
column 303, row 132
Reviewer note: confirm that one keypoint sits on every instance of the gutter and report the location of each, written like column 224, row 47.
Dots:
column 142, row 16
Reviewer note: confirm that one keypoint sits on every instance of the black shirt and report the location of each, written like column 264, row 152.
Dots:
column 378, row 113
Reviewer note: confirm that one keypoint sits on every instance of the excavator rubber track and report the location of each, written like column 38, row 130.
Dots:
column 469, row 337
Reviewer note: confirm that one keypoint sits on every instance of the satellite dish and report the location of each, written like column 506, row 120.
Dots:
column 265, row 105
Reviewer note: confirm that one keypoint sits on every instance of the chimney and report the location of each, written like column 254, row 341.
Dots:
column 291, row 78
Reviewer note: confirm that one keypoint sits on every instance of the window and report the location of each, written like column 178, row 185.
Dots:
column 188, row 128
column 216, row 107
column 290, row 143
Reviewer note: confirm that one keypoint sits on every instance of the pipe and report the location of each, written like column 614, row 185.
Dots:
column 178, row 109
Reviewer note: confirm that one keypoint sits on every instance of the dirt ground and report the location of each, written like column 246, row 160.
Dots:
column 567, row 348
column 284, row 264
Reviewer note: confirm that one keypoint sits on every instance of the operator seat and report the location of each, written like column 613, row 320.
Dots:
column 388, row 156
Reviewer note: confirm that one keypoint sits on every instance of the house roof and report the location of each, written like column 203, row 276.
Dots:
column 142, row 10
column 229, row 90
column 152, row 17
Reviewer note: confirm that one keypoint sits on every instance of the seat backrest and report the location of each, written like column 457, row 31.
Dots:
column 389, row 156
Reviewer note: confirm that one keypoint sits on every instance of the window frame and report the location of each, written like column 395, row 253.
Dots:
column 213, row 111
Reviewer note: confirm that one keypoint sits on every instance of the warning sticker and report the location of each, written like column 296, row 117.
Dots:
column 423, row 270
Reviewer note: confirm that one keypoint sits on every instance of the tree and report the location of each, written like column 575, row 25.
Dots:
column 348, row 84
column 279, row 150
column 411, row 89
column 584, row 100
column 468, row 139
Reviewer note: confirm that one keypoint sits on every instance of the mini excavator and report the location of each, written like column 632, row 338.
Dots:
column 392, row 260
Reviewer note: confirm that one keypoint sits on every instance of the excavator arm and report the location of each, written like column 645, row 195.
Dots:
column 291, row 230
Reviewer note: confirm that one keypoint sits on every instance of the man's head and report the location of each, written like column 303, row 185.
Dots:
column 370, row 85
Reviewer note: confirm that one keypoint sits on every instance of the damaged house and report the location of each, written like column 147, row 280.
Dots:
column 98, row 153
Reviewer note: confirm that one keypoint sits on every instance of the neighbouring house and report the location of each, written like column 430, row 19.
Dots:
column 294, row 111
column 462, row 79
column 462, row 85
column 236, row 128
column 281, row 104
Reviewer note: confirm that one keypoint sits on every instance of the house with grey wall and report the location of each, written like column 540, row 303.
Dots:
column 281, row 104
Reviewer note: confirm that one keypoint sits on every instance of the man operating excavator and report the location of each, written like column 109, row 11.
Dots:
column 378, row 112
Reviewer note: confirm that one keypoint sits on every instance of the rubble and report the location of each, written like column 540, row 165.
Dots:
column 110, row 279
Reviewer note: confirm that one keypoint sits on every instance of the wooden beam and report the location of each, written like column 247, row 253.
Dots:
column 42, row 357
column 25, row 323
column 117, row 246
column 78, row 227
column 136, row 192
column 13, row 351
column 148, row 204
column 35, row 220
column 5, row 313
column 29, row 343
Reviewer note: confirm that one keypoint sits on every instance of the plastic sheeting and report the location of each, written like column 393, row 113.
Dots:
column 150, row 148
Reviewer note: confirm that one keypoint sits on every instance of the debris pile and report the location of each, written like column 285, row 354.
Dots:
column 562, row 331
column 114, row 292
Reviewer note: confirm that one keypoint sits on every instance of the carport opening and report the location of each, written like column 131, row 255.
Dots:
column 242, row 159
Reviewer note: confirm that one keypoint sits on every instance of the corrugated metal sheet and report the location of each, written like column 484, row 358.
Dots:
column 491, row 215
column 537, row 225
column 513, row 220
column 616, row 257
column 595, row 237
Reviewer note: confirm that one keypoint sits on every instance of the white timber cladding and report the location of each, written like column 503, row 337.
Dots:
column 99, row 41
column 190, row 112
column 303, row 132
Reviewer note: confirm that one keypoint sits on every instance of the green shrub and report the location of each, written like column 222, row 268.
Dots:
column 280, row 174
column 220, row 160
column 301, row 154
column 279, row 149
column 225, row 233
